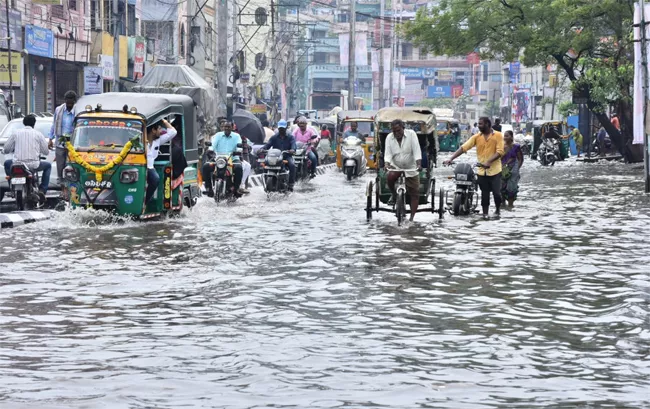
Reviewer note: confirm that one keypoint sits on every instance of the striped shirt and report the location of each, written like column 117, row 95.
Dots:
column 27, row 145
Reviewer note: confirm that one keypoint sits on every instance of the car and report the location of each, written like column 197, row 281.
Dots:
column 43, row 125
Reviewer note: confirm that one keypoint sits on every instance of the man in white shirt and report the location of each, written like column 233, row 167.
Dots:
column 28, row 145
column 403, row 151
column 155, row 138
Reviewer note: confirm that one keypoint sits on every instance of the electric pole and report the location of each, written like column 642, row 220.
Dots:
column 116, row 46
column 351, row 53
column 11, row 77
column 382, row 100
column 222, row 56
column 393, row 55
column 646, row 91
column 235, row 56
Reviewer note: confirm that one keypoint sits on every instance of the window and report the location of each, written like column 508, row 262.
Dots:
column 485, row 72
column 407, row 51
column 423, row 54
column 131, row 22
column 94, row 15
column 181, row 41
column 72, row 4
column 319, row 34
column 320, row 58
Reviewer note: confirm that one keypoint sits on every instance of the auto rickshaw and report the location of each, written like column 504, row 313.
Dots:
column 107, row 154
column 448, row 134
column 540, row 127
column 423, row 122
column 366, row 127
column 330, row 156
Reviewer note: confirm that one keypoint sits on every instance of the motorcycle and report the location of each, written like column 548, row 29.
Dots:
column 548, row 152
column 353, row 158
column 466, row 194
column 596, row 147
column 302, row 161
column 223, row 176
column 275, row 170
column 24, row 187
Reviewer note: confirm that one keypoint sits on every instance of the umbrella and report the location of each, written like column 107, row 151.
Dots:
column 249, row 126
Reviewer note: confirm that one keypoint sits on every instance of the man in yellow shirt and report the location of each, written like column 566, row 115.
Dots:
column 489, row 150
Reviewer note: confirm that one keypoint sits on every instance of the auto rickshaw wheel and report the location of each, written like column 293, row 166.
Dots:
column 441, row 201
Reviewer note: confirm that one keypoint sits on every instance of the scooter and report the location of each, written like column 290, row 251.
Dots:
column 353, row 158
column 466, row 194
column 276, row 170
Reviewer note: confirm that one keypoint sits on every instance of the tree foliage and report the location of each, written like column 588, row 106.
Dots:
column 590, row 40
column 491, row 109
column 567, row 108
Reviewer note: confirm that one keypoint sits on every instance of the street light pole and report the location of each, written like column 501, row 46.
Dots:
column 352, row 53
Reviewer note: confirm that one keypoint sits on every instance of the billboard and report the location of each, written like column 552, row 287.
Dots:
column 439, row 91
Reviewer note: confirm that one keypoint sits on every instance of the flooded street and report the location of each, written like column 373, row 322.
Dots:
column 299, row 302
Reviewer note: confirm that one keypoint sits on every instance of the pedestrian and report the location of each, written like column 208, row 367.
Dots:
column 577, row 138
column 403, row 152
column 497, row 125
column 511, row 162
column 475, row 129
column 602, row 135
column 489, row 150
column 325, row 133
column 62, row 125
column 615, row 121
column 268, row 132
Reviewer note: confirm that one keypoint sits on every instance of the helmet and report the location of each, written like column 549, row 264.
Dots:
column 282, row 123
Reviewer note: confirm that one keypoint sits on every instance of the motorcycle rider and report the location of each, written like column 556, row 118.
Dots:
column 284, row 141
column 353, row 131
column 309, row 138
column 224, row 142
column 28, row 145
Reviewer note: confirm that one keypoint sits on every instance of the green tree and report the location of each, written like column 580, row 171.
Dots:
column 567, row 108
column 491, row 109
column 589, row 40
column 438, row 103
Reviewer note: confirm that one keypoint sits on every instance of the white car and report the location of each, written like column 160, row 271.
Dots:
column 43, row 125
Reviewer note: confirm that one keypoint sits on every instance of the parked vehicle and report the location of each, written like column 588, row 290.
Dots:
column 465, row 199
column 548, row 152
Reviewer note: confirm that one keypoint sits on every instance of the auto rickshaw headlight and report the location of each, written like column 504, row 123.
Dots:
column 133, row 110
column 89, row 108
column 129, row 175
column 70, row 174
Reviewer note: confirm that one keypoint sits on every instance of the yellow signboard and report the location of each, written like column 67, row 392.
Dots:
column 258, row 109
column 16, row 69
column 107, row 49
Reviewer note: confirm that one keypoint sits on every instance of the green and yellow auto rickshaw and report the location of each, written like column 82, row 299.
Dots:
column 365, row 121
column 540, row 127
column 423, row 122
column 449, row 134
column 107, row 154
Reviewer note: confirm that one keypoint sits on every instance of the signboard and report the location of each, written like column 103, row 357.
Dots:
column 15, row 30
column 245, row 78
column 16, row 71
column 39, row 41
column 456, row 91
column 47, row 2
column 93, row 81
column 473, row 58
column 439, row 92
column 106, row 62
column 515, row 69
column 445, row 76
column 258, row 109
column 138, row 59
column 417, row 73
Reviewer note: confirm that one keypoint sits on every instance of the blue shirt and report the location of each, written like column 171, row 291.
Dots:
column 225, row 144
column 67, row 124
column 284, row 144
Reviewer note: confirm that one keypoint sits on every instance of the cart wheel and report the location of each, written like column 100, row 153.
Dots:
column 441, row 208
column 377, row 187
column 400, row 208
column 369, row 201
column 432, row 193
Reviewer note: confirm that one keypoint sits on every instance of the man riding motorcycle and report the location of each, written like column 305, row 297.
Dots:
column 309, row 138
column 225, row 142
column 284, row 141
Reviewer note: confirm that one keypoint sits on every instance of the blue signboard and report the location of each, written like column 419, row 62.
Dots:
column 439, row 91
column 515, row 68
column 39, row 41
column 417, row 73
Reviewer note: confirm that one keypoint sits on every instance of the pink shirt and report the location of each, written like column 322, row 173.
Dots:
column 305, row 137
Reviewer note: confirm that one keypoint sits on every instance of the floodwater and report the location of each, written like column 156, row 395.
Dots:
column 297, row 302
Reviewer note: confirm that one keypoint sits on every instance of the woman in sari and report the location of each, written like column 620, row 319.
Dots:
column 511, row 163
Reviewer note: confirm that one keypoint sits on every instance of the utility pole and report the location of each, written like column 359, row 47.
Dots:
column 222, row 56
column 352, row 53
column 11, row 77
column 399, row 52
column 646, row 91
column 116, row 46
column 274, row 65
column 382, row 100
column 393, row 56
column 557, row 81
column 235, row 55
column 189, row 36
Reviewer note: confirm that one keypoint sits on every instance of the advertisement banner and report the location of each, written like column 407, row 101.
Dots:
column 374, row 63
column 439, row 92
column 417, row 73
column 39, row 41
column 344, row 49
column 16, row 71
column 445, row 76
column 515, row 68
column 15, row 30
column 93, row 81
column 456, row 91
column 106, row 62
column 361, row 50
column 138, row 59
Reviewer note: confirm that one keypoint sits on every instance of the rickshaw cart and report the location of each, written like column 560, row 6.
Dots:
column 107, row 163
column 423, row 122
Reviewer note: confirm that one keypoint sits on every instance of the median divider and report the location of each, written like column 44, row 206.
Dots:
column 256, row 180
column 14, row 219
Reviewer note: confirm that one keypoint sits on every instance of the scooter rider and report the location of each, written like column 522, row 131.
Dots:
column 284, row 141
column 225, row 142
column 309, row 138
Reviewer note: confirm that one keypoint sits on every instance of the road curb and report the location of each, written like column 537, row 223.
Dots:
column 256, row 180
column 14, row 219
